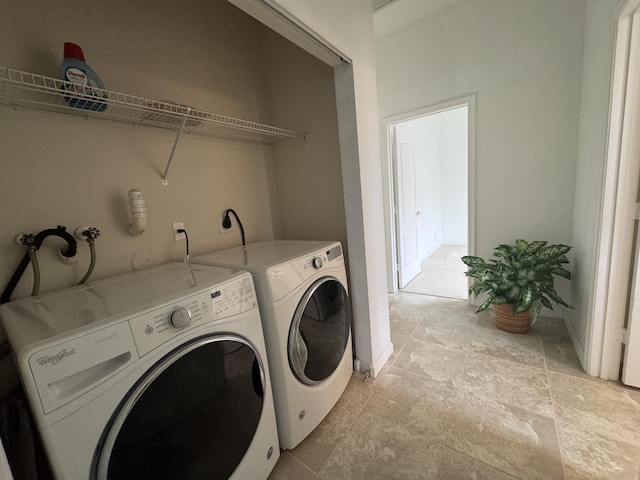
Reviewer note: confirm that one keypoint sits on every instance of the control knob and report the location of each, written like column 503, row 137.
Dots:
column 180, row 318
column 317, row 262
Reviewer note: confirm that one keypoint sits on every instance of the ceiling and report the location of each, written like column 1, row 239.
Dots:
column 391, row 16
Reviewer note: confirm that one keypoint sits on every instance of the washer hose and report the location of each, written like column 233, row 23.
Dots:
column 69, row 252
column 36, row 271
column 92, row 248
column 90, row 234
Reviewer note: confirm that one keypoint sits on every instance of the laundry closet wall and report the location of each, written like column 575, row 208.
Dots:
column 65, row 170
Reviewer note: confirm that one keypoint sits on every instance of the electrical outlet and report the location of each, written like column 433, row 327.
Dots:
column 178, row 235
column 221, row 229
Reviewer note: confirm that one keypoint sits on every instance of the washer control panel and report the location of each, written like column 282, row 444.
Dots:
column 154, row 328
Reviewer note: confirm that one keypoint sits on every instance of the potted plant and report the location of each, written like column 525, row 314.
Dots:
column 519, row 281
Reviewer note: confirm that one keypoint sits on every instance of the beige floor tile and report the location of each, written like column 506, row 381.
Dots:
column 442, row 274
column 560, row 356
column 442, row 364
column 457, row 466
column 404, row 318
column 408, row 300
column 376, row 448
column 508, row 438
column 552, row 329
column 517, row 404
column 520, row 348
column 288, row 468
column 589, row 456
column 399, row 341
column 421, row 405
column 450, row 311
column 446, row 334
column 508, row 382
column 600, row 407
column 314, row 450
column 440, row 282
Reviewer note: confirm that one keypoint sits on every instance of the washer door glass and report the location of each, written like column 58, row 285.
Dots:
column 192, row 416
column 319, row 331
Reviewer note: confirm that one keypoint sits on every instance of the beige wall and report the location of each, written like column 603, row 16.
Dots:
column 69, row 171
column 308, row 174
column 203, row 54
column 348, row 26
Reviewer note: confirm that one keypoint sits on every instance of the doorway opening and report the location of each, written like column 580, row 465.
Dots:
column 430, row 167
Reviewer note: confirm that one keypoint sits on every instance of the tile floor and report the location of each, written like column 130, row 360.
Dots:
column 461, row 399
column 442, row 274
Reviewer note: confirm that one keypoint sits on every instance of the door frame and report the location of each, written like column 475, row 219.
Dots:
column 622, row 167
column 390, row 187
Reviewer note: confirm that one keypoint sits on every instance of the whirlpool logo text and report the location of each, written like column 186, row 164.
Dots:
column 54, row 359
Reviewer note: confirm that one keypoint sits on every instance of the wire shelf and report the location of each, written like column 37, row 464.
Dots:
column 37, row 92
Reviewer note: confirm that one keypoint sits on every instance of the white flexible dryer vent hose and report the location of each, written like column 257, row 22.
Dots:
column 138, row 212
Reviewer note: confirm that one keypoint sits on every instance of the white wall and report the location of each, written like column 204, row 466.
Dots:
column 594, row 101
column 523, row 60
column 454, row 145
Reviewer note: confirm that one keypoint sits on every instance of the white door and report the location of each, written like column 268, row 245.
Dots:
column 407, row 216
column 631, row 364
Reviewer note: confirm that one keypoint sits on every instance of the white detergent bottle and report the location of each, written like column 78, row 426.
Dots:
column 84, row 86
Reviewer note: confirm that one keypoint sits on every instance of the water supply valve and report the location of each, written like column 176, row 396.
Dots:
column 26, row 240
column 87, row 233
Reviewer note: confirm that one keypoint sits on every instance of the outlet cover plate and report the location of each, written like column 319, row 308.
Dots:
column 221, row 229
column 177, row 236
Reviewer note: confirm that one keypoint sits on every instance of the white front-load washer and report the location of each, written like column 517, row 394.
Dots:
column 306, row 315
column 156, row 374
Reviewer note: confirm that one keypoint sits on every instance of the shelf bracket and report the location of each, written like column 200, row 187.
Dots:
column 173, row 150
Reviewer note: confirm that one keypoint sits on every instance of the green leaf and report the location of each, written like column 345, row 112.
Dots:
column 562, row 272
column 484, row 306
column 472, row 261
column 553, row 251
column 534, row 311
column 535, row 246
column 522, row 244
column 525, row 302
column 545, row 301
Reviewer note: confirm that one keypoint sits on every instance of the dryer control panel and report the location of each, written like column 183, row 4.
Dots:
column 286, row 277
column 152, row 329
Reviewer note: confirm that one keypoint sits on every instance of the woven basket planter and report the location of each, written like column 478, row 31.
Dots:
column 507, row 321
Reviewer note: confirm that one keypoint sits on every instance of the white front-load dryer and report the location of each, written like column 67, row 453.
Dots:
column 306, row 315
column 156, row 374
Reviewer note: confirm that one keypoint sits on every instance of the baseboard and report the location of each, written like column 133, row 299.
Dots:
column 575, row 340
column 382, row 360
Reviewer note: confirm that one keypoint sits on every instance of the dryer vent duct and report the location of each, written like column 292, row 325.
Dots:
column 138, row 212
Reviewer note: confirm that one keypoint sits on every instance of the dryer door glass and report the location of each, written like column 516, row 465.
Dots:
column 319, row 331
column 192, row 416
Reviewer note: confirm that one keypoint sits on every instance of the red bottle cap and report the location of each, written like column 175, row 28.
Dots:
column 72, row 50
